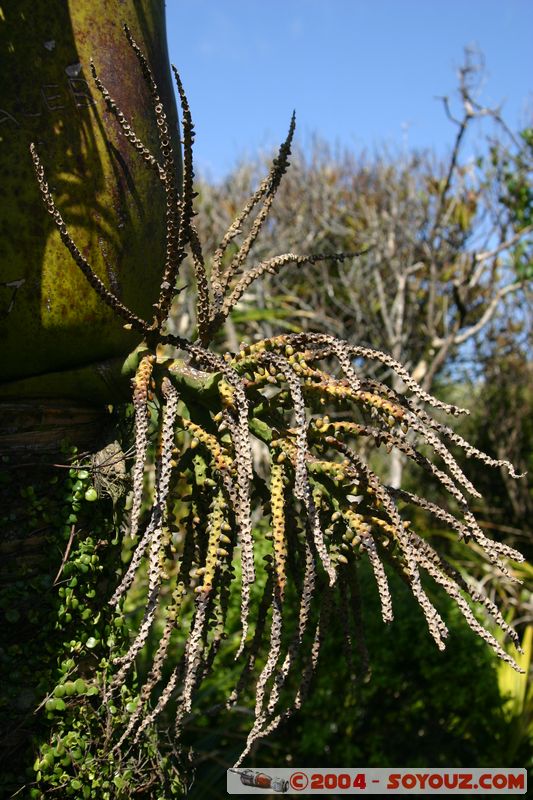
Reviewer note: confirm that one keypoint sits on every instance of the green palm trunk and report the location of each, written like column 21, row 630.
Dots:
column 63, row 348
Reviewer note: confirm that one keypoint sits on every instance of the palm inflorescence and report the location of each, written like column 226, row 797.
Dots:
column 219, row 517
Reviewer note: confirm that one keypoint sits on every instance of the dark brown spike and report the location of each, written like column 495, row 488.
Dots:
column 175, row 233
column 436, row 624
column 146, row 71
column 265, row 724
column 108, row 297
column 319, row 340
column 278, row 169
column 271, row 266
column 202, row 284
column 471, row 591
column 125, row 125
column 257, row 639
column 187, row 229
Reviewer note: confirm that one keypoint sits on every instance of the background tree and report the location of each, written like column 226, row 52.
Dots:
column 442, row 239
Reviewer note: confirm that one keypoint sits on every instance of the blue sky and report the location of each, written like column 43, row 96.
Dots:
column 359, row 73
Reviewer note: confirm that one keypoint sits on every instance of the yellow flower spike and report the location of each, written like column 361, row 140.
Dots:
column 227, row 393
column 337, row 389
column 383, row 524
column 357, row 524
column 214, row 552
column 222, row 461
column 278, row 524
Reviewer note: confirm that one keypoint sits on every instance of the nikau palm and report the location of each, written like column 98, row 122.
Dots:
column 327, row 508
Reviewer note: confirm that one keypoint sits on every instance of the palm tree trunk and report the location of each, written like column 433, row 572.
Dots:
column 61, row 368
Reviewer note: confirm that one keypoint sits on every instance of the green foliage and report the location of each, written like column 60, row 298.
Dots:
column 513, row 166
column 69, row 663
